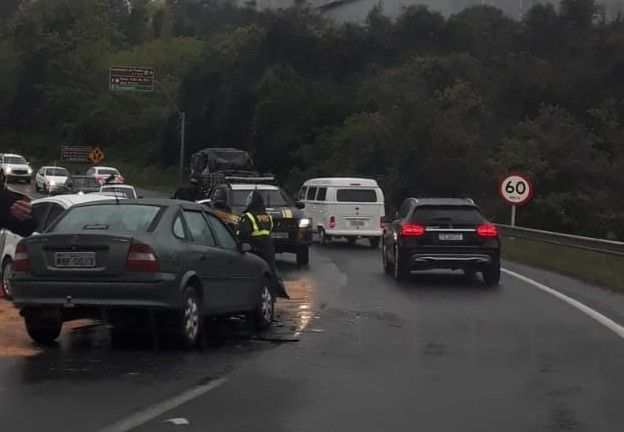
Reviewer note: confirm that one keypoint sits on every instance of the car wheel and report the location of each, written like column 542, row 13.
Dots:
column 262, row 315
column 384, row 259
column 43, row 326
column 401, row 270
column 373, row 242
column 492, row 274
column 191, row 321
column 7, row 272
column 303, row 256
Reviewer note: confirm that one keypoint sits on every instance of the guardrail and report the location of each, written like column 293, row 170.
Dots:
column 608, row 247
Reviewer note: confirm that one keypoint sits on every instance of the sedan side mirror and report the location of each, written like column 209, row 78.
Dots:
column 246, row 247
column 300, row 205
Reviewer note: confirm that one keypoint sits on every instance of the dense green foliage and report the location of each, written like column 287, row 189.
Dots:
column 428, row 105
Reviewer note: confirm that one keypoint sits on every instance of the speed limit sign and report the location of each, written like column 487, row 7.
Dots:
column 516, row 189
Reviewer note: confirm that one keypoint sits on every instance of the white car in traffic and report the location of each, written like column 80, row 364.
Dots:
column 123, row 191
column 45, row 210
column 50, row 178
column 14, row 167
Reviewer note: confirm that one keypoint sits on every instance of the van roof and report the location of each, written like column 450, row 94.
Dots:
column 342, row 181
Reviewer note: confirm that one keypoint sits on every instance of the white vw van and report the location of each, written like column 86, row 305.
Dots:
column 344, row 207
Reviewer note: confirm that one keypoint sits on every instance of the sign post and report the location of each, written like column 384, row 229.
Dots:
column 141, row 79
column 516, row 190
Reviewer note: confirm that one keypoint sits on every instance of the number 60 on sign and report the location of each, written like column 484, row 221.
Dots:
column 516, row 189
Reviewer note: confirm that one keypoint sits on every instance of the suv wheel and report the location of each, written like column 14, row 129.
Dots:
column 373, row 242
column 401, row 270
column 191, row 320
column 492, row 274
column 303, row 256
column 262, row 316
column 7, row 272
column 43, row 326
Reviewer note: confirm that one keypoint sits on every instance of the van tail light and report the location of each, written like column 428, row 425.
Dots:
column 383, row 224
column 487, row 231
column 141, row 258
column 20, row 259
column 332, row 222
column 412, row 230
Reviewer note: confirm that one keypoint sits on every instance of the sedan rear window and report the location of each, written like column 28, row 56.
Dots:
column 108, row 171
column 107, row 217
column 431, row 215
column 356, row 195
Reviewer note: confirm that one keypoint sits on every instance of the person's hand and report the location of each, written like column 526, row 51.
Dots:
column 20, row 210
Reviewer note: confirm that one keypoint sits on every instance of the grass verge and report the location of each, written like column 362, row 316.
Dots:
column 148, row 177
column 596, row 268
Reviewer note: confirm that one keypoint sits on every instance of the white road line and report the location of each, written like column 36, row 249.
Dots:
column 154, row 411
column 607, row 322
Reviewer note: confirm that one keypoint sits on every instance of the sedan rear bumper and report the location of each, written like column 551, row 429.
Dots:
column 162, row 293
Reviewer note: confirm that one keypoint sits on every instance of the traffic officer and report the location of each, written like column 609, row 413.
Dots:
column 254, row 227
column 15, row 213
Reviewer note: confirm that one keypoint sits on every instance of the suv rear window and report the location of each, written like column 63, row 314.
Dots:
column 356, row 195
column 107, row 217
column 431, row 215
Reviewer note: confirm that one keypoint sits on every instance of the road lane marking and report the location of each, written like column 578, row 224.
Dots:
column 159, row 409
column 607, row 322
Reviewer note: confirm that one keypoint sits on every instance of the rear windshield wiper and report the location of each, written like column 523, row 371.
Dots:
column 95, row 227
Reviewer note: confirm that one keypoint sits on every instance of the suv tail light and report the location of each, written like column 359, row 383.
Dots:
column 383, row 224
column 332, row 222
column 141, row 258
column 487, row 231
column 20, row 259
column 413, row 230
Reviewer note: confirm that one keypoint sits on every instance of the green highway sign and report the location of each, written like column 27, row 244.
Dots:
column 134, row 79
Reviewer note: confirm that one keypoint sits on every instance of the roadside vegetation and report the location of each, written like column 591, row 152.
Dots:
column 428, row 105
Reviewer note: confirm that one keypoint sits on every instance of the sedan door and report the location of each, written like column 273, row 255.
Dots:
column 245, row 270
column 210, row 262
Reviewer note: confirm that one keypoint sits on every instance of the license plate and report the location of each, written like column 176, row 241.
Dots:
column 358, row 223
column 279, row 235
column 451, row 237
column 74, row 259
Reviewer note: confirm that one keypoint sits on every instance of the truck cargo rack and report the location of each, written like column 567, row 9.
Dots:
column 233, row 176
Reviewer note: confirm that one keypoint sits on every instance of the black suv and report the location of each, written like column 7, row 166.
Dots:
column 441, row 233
column 292, row 232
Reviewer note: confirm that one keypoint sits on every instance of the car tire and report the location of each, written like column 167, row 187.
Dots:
column 7, row 272
column 303, row 256
column 384, row 259
column 262, row 315
column 492, row 274
column 43, row 326
column 400, row 267
column 191, row 319
column 373, row 242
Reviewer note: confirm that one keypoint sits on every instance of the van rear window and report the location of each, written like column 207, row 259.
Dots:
column 356, row 195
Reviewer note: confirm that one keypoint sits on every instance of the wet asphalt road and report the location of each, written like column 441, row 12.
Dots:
column 361, row 353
